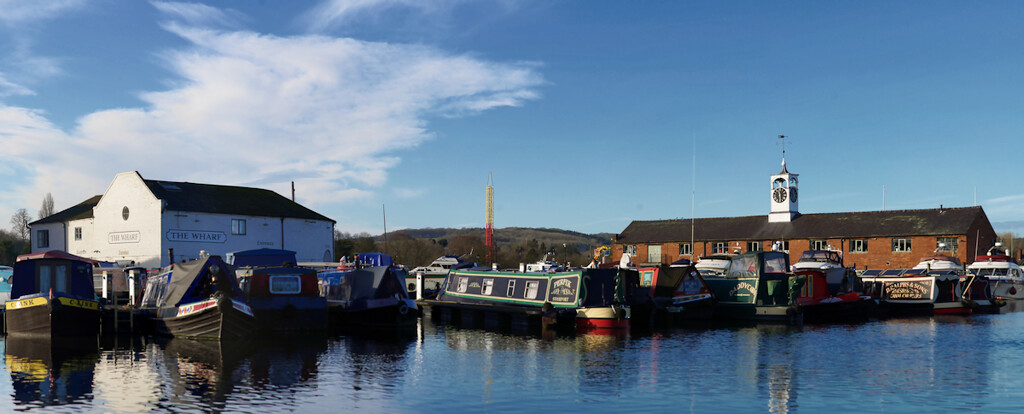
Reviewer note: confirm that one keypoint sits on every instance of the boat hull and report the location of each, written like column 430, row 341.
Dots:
column 210, row 319
column 289, row 314
column 377, row 313
column 43, row 317
column 605, row 317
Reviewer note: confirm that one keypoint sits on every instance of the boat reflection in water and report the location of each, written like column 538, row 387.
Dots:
column 202, row 373
column 47, row 372
column 287, row 362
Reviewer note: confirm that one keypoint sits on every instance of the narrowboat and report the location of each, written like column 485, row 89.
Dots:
column 583, row 298
column 1002, row 274
column 757, row 286
column 371, row 295
column 827, row 289
column 668, row 293
column 197, row 299
column 283, row 297
column 52, row 295
column 936, row 285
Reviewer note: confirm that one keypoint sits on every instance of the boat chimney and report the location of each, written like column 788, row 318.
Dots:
column 293, row 191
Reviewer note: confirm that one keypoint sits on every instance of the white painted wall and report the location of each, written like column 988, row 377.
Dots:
column 149, row 231
column 57, row 237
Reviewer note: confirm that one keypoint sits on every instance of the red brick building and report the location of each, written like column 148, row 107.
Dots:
column 875, row 239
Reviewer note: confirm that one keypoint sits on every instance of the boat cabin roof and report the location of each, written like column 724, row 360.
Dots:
column 261, row 257
column 56, row 271
column 825, row 256
column 187, row 281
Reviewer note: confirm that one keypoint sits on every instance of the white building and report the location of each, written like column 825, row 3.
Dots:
column 146, row 221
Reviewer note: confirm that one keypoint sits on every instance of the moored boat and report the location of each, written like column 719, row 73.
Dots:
column 1003, row 275
column 826, row 289
column 936, row 285
column 197, row 299
column 714, row 265
column 283, row 297
column 52, row 295
column 757, row 286
column 668, row 294
column 583, row 298
column 434, row 274
column 372, row 295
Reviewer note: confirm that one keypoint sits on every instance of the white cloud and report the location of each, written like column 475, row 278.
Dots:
column 331, row 14
column 200, row 14
column 253, row 108
column 21, row 11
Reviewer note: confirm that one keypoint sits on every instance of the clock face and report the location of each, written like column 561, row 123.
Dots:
column 792, row 193
column 779, row 195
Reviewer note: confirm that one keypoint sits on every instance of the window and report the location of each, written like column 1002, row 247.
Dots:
column 237, row 227
column 859, row 246
column 488, row 285
column 511, row 288
column 900, row 245
column 782, row 246
column 685, row 249
column 531, row 289
column 629, row 249
column 463, row 284
column 952, row 243
column 43, row 238
column 753, row 246
column 819, row 244
column 78, row 233
column 44, row 277
column 285, row 284
column 654, row 253
column 62, row 279
column 720, row 248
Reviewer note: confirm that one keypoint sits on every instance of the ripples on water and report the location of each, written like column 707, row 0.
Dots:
column 939, row 364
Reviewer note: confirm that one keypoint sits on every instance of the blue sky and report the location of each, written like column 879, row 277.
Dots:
column 588, row 114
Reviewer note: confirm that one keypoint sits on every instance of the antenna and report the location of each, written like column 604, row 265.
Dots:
column 384, row 213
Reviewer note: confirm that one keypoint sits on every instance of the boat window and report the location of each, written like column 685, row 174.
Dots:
column 62, row 278
column 511, row 288
column 531, row 289
column 44, row 278
column 775, row 265
column 488, row 285
column 742, row 267
column 463, row 284
column 285, row 284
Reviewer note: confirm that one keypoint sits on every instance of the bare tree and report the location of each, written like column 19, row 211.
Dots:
column 19, row 223
column 47, row 209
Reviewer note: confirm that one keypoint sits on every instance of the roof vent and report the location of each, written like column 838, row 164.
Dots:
column 170, row 186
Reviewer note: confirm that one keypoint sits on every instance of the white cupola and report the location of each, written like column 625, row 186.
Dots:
column 783, row 195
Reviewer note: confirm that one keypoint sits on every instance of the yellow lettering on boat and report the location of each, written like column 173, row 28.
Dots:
column 26, row 303
column 79, row 303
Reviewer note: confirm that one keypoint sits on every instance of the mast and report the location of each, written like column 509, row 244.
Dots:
column 489, row 225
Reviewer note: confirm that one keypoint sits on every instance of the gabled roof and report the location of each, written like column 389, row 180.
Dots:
column 204, row 198
column 80, row 211
column 940, row 221
column 225, row 199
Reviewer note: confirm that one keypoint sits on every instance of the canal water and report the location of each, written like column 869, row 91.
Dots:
column 912, row 365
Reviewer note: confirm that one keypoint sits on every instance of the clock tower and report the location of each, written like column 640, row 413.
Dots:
column 783, row 196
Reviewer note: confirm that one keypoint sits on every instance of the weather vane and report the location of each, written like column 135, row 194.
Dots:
column 782, row 139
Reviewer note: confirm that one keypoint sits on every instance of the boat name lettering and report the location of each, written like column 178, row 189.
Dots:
column 264, row 243
column 562, row 283
column 743, row 286
column 474, row 284
column 906, row 289
column 124, row 237
column 197, row 236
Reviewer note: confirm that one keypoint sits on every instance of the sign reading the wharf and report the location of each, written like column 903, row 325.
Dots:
column 908, row 289
column 124, row 237
column 195, row 236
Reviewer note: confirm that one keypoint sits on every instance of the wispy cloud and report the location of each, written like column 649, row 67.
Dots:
column 248, row 107
column 196, row 14
column 331, row 14
column 17, row 12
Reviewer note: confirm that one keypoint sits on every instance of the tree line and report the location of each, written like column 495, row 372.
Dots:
column 413, row 252
column 16, row 241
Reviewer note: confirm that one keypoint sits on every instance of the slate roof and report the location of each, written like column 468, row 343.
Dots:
column 224, row 199
column 80, row 211
column 205, row 198
column 940, row 221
